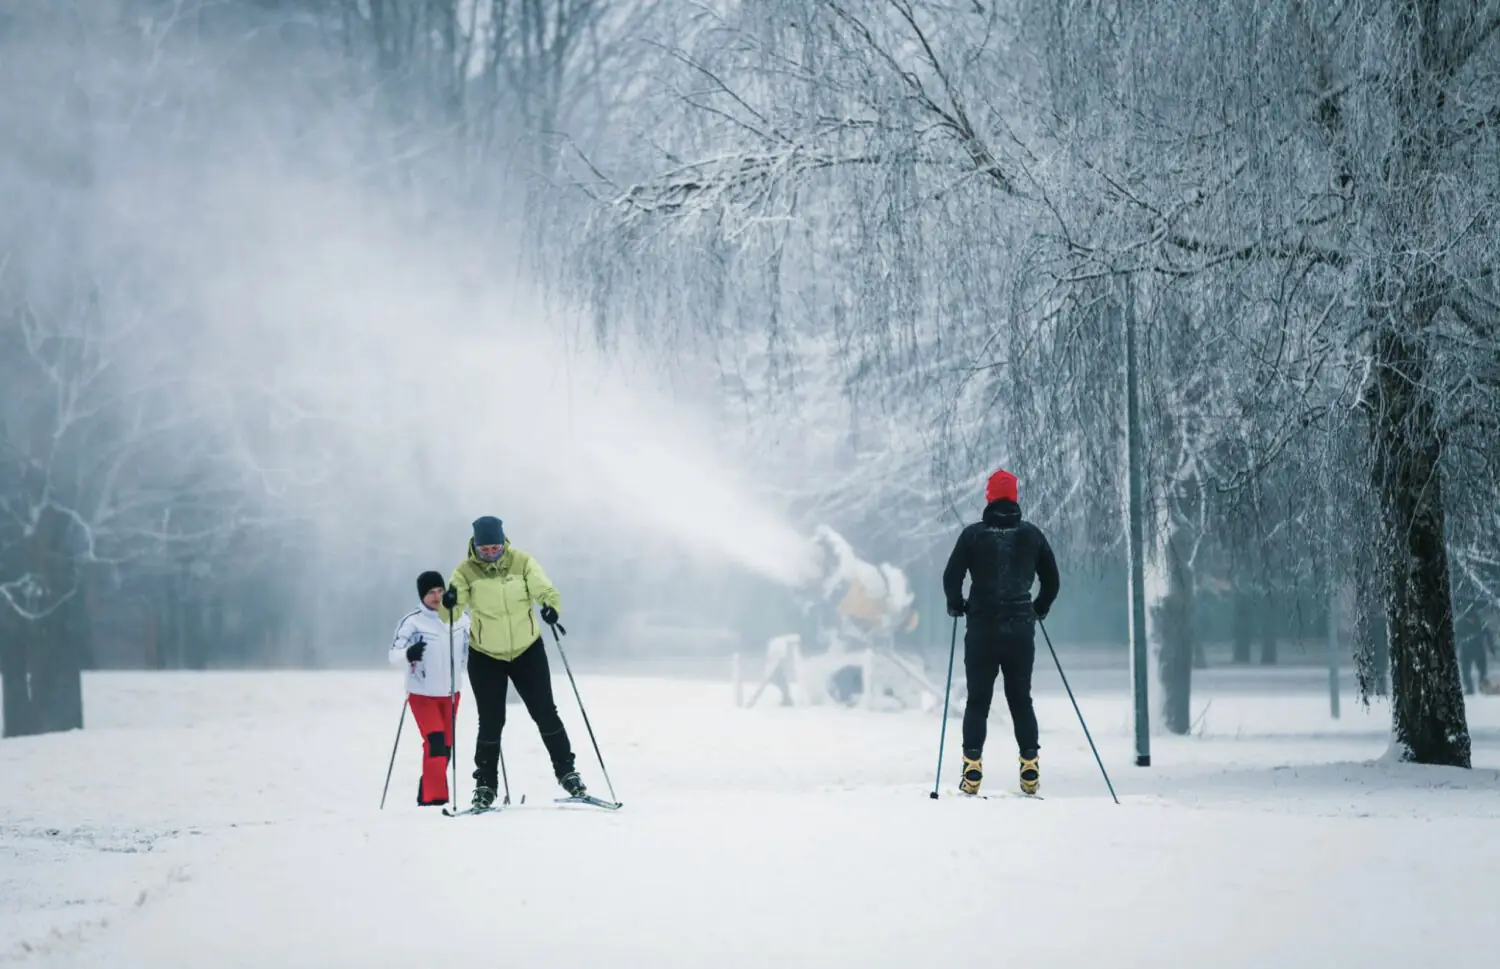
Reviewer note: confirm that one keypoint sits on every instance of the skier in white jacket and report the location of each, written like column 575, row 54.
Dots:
column 432, row 677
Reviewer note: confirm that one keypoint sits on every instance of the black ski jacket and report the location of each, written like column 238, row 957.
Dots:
column 1003, row 555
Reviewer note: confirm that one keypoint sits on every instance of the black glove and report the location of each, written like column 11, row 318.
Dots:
column 1041, row 610
column 414, row 651
column 450, row 597
column 549, row 615
column 957, row 607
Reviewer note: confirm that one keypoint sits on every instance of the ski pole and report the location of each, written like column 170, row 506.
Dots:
column 1085, row 726
column 399, row 724
column 504, row 780
column 602, row 769
column 452, row 717
column 947, row 690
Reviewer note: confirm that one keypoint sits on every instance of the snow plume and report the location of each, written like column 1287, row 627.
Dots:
column 327, row 348
column 433, row 386
column 843, row 567
column 629, row 452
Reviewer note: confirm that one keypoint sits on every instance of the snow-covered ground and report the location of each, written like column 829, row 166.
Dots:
column 230, row 819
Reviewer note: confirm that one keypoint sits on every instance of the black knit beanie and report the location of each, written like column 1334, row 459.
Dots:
column 428, row 581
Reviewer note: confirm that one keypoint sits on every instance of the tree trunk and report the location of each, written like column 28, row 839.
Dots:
column 1427, row 701
column 55, row 660
column 200, row 631
column 1268, row 644
column 15, row 642
column 1243, row 624
column 57, row 668
column 177, row 609
column 1372, row 655
column 41, row 659
column 1174, row 618
column 1427, row 695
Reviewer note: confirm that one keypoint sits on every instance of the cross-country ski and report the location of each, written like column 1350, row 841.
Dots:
column 590, row 800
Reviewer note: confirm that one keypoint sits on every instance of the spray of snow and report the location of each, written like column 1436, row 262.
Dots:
column 884, row 582
column 413, row 372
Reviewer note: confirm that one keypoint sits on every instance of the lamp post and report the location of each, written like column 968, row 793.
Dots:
column 1136, row 516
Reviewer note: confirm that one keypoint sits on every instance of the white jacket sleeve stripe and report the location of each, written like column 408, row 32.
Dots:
column 402, row 639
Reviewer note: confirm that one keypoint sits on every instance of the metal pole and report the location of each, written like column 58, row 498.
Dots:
column 937, row 779
column 504, row 777
column 1136, row 515
column 399, row 724
column 452, row 715
column 557, row 640
column 1074, row 700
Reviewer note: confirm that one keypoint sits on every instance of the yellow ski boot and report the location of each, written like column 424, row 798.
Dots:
column 973, row 773
column 1031, row 773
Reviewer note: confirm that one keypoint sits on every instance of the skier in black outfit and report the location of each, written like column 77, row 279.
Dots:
column 1003, row 554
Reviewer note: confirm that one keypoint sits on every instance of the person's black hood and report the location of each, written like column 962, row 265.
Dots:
column 1002, row 514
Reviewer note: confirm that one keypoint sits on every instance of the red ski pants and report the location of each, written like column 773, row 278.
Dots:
column 432, row 715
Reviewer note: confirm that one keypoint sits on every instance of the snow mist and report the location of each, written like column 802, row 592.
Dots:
column 411, row 381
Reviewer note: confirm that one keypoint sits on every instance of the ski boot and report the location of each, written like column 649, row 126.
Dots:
column 1031, row 772
column 973, row 773
column 572, row 783
column 484, row 793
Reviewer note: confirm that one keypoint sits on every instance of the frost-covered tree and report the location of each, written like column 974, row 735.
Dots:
column 798, row 186
column 859, row 169
column 103, row 471
column 1344, row 151
column 937, row 184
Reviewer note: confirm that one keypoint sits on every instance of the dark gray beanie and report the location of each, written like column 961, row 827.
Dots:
column 488, row 530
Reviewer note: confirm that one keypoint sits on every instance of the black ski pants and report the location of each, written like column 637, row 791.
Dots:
column 994, row 648
column 489, row 679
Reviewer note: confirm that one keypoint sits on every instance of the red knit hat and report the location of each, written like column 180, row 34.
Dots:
column 1002, row 487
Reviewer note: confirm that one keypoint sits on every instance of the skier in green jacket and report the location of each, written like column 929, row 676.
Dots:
column 501, row 585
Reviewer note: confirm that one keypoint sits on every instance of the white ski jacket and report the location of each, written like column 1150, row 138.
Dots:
column 429, row 675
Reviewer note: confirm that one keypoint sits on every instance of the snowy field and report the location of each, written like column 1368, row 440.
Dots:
column 230, row 820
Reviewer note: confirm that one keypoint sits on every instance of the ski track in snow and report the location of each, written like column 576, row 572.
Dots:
column 229, row 820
